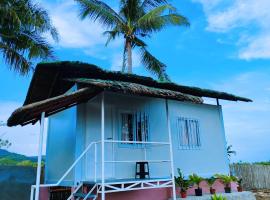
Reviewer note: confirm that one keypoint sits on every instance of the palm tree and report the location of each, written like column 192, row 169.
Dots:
column 22, row 28
column 230, row 151
column 136, row 19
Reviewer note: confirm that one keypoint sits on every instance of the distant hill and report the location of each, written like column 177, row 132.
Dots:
column 10, row 159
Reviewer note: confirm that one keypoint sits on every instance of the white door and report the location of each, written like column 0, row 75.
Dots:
column 93, row 134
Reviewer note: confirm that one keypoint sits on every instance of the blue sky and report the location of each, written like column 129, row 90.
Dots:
column 227, row 47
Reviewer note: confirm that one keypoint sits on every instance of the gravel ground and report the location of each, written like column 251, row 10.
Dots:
column 262, row 194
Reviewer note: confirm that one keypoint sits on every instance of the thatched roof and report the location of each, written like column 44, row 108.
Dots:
column 52, row 80
column 90, row 88
column 31, row 113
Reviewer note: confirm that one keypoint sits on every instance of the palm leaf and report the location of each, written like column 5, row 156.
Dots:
column 149, row 4
column 155, row 13
column 16, row 60
column 152, row 21
column 153, row 65
column 111, row 35
column 22, row 26
column 131, row 10
column 98, row 10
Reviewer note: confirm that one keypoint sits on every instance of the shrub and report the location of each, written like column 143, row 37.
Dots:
column 220, row 197
column 195, row 179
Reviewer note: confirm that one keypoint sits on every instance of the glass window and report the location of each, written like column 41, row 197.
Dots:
column 134, row 127
column 188, row 133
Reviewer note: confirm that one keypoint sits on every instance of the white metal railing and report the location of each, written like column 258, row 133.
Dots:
column 33, row 187
column 136, row 142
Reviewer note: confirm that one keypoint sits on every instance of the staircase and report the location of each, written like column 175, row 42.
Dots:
column 85, row 191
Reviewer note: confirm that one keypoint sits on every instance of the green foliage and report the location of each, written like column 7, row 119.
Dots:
column 211, row 181
column 22, row 28
column 11, row 162
column 181, row 182
column 230, row 151
column 266, row 163
column 135, row 20
column 226, row 179
column 263, row 163
column 216, row 197
column 8, row 162
column 4, row 143
column 195, row 179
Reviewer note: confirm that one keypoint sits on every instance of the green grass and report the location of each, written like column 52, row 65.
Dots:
column 6, row 161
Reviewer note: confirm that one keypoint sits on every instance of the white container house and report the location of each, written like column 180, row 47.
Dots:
column 101, row 123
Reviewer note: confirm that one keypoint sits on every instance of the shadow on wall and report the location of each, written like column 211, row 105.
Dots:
column 16, row 181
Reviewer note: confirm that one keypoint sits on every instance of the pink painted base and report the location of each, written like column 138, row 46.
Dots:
column 153, row 194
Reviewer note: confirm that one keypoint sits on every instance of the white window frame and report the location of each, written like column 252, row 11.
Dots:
column 195, row 136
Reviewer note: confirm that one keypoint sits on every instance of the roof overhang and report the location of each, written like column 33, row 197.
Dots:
column 51, row 82
column 90, row 88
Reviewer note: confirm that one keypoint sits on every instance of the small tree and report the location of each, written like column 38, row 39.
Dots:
column 230, row 151
column 4, row 143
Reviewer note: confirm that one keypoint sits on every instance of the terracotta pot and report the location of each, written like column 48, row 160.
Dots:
column 228, row 189
column 183, row 194
column 239, row 189
column 212, row 191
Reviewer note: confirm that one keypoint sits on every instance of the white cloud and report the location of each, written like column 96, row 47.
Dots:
column 247, row 124
column 24, row 139
column 74, row 33
column 249, row 17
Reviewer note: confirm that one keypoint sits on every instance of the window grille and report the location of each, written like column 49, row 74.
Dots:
column 134, row 127
column 188, row 133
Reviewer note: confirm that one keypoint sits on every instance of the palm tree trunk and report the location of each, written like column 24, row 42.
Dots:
column 124, row 57
column 129, row 50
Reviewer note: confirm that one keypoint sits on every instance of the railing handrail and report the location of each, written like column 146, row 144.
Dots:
column 70, row 168
column 136, row 142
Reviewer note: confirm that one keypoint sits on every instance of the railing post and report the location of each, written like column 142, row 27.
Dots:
column 39, row 155
column 171, row 149
column 95, row 167
column 32, row 193
column 102, row 147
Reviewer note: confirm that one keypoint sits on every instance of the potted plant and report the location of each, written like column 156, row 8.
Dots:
column 226, row 180
column 239, row 182
column 196, row 180
column 181, row 182
column 210, row 182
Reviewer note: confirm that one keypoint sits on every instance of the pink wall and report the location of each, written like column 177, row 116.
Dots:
column 156, row 194
column 163, row 194
column 44, row 194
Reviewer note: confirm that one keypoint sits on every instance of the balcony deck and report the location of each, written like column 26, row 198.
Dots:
column 121, row 185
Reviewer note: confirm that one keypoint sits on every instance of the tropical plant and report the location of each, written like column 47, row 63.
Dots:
column 239, row 181
column 210, row 181
column 230, row 151
column 226, row 179
column 195, row 179
column 181, row 182
column 22, row 28
column 216, row 197
column 135, row 20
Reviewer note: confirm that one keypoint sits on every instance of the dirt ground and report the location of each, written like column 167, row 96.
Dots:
column 262, row 194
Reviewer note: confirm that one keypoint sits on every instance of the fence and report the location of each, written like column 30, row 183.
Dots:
column 254, row 176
